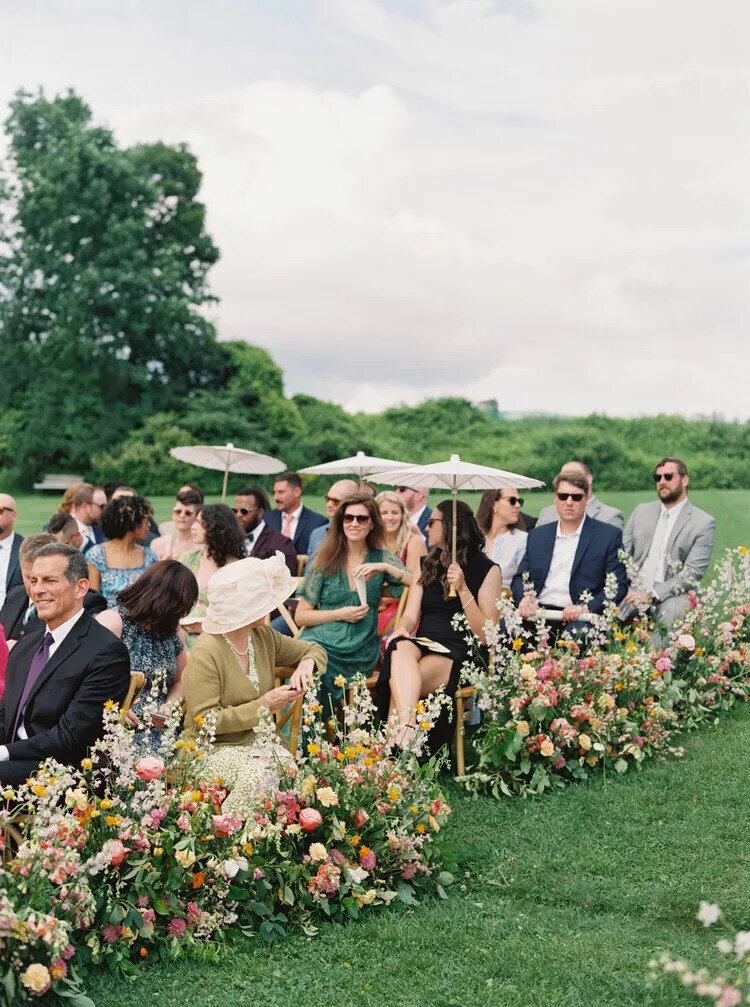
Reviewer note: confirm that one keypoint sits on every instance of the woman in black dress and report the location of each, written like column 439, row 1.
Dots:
column 412, row 669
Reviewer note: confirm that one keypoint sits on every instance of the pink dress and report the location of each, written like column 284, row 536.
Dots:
column 387, row 613
column 3, row 660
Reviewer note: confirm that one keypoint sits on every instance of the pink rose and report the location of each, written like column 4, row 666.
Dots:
column 361, row 818
column 663, row 664
column 310, row 818
column 686, row 641
column 150, row 768
column 117, row 853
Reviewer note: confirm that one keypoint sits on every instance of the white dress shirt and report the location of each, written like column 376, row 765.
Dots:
column 508, row 552
column 556, row 590
column 58, row 635
column 6, row 545
column 654, row 570
column 295, row 521
column 252, row 537
column 414, row 518
column 87, row 532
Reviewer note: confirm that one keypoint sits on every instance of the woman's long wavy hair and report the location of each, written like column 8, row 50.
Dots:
column 484, row 512
column 469, row 542
column 404, row 531
column 224, row 540
column 163, row 594
column 331, row 555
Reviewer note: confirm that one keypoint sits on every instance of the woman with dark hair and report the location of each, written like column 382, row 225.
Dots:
column 499, row 518
column 115, row 564
column 340, row 595
column 219, row 541
column 414, row 668
column 147, row 619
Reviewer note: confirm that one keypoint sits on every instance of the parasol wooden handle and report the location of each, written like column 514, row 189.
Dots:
column 452, row 591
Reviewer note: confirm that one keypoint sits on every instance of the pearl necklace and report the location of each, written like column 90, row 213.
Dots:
column 239, row 653
column 249, row 653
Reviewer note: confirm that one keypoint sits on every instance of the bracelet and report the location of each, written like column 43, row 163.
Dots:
column 471, row 599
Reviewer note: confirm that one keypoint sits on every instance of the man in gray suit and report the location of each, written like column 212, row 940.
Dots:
column 594, row 507
column 671, row 543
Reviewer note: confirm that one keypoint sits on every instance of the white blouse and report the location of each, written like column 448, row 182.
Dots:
column 508, row 552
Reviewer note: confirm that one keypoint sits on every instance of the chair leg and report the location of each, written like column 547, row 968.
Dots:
column 296, row 722
column 460, row 764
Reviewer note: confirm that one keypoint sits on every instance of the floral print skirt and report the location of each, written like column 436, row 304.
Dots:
column 245, row 770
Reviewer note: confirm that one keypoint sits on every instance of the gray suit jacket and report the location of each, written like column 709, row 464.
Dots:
column 690, row 545
column 594, row 508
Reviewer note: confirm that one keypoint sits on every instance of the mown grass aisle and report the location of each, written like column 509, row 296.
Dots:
column 568, row 899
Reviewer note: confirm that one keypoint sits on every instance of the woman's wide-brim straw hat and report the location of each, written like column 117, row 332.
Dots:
column 245, row 591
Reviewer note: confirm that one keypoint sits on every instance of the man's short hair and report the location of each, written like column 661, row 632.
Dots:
column 77, row 568
column 681, row 466
column 581, row 465
column 577, row 479
column 190, row 498
column 288, row 477
column 31, row 545
column 258, row 494
column 84, row 494
column 196, row 489
column 62, row 524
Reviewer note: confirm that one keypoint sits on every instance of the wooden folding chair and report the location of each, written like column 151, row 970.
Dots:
column 301, row 564
column 137, row 684
column 293, row 713
column 465, row 692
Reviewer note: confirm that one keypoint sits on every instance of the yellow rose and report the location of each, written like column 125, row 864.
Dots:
column 185, row 857
column 528, row 674
column 308, row 785
column 318, row 852
column 547, row 748
column 36, row 978
column 523, row 727
column 584, row 741
column 327, row 797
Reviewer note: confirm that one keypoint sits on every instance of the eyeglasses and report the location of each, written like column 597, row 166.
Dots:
column 356, row 518
column 403, row 489
column 332, row 500
column 178, row 512
column 244, row 511
column 666, row 476
column 513, row 500
column 570, row 496
column 434, row 520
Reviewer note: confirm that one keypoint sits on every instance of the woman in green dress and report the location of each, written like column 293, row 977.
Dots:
column 338, row 607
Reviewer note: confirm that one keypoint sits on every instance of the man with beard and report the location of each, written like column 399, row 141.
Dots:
column 671, row 543
column 261, row 541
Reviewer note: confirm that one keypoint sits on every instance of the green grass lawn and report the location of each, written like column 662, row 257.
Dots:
column 731, row 508
column 563, row 902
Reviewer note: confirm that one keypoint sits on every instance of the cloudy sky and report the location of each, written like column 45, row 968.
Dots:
column 540, row 201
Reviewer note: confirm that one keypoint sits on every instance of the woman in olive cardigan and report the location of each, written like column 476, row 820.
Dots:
column 230, row 673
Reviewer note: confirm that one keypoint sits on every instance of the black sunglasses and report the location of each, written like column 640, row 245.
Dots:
column 434, row 520
column 572, row 496
column 244, row 510
column 358, row 518
column 666, row 476
column 512, row 500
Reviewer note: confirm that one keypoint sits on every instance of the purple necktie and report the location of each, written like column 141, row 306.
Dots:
column 36, row 667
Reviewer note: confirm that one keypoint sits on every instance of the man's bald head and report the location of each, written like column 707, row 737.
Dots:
column 8, row 515
column 338, row 492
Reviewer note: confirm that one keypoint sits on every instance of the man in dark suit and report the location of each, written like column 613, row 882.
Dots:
column 88, row 504
column 58, row 680
column 416, row 504
column 18, row 613
column 10, row 543
column 292, row 518
column 570, row 557
column 250, row 508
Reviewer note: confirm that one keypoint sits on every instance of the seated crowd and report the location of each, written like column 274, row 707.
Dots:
column 201, row 605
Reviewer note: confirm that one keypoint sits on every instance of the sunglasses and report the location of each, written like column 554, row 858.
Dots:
column 666, row 476
column 513, row 500
column 332, row 500
column 244, row 511
column 178, row 512
column 356, row 518
column 402, row 489
column 434, row 520
column 570, row 496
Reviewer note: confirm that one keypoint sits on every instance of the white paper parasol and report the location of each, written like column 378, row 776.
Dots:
column 361, row 465
column 454, row 476
column 227, row 458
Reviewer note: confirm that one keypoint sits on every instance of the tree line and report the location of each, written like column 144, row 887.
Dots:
column 109, row 358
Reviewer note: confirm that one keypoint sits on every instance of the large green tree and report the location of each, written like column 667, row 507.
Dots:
column 102, row 284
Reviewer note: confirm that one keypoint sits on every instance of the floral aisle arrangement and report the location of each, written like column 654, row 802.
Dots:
column 553, row 714
column 732, row 986
column 130, row 857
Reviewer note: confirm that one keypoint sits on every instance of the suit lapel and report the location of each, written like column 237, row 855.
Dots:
column 593, row 507
column 547, row 536
column 584, row 540
column 69, row 646
column 301, row 526
column 680, row 523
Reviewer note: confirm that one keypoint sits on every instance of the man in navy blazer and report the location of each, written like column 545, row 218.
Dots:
column 570, row 557
column 416, row 504
column 291, row 517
